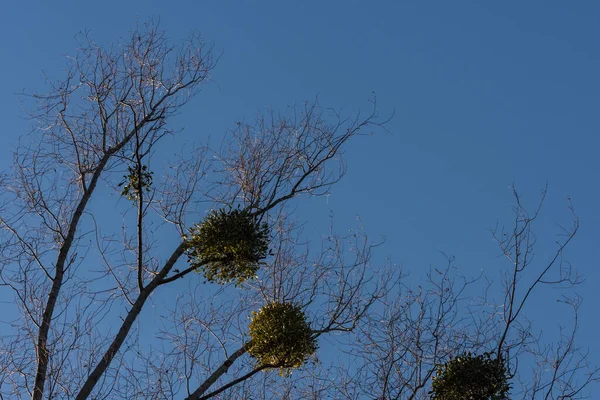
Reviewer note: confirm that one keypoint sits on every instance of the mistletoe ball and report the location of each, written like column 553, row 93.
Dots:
column 281, row 336
column 228, row 246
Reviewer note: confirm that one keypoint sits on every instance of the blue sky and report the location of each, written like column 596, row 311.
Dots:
column 485, row 94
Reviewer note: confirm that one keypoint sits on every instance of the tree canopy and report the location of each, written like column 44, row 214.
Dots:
column 101, row 228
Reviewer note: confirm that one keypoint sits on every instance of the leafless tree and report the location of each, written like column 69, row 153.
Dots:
column 94, row 224
column 95, row 218
column 416, row 329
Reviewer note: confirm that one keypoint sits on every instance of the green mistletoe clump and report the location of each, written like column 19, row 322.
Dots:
column 471, row 377
column 228, row 246
column 134, row 180
column 281, row 336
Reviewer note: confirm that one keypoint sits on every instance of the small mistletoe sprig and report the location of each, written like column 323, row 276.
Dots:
column 132, row 180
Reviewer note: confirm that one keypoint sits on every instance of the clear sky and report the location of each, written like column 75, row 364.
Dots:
column 485, row 94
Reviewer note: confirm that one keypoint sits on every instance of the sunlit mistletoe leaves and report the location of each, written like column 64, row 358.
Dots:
column 470, row 377
column 281, row 336
column 228, row 246
column 135, row 180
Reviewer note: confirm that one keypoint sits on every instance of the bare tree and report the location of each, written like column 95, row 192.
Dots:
column 82, row 278
column 414, row 331
column 117, row 304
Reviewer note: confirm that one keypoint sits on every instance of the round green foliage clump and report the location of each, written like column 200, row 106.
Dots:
column 470, row 377
column 134, row 180
column 281, row 336
column 228, row 246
